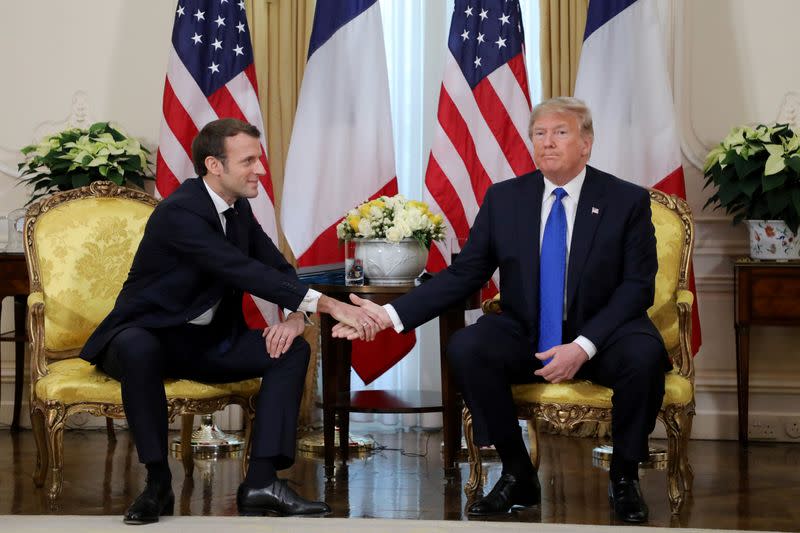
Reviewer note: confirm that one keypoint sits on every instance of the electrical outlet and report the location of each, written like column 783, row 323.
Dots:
column 793, row 428
column 763, row 428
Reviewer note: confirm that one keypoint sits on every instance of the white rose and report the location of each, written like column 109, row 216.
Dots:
column 394, row 234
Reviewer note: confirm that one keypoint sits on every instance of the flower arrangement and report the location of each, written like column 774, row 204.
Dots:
column 76, row 157
column 392, row 218
column 757, row 174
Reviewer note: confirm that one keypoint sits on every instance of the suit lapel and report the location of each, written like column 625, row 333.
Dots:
column 529, row 215
column 591, row 208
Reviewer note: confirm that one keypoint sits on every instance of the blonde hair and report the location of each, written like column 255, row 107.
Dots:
column 565, row 104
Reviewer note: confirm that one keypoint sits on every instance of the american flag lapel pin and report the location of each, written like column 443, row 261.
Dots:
column 595, row 211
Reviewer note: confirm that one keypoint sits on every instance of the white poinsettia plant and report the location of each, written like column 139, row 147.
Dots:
column 392, row 218
column 756, row 173
column 76, row 157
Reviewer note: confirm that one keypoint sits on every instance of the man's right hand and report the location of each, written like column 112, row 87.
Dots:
column 376, row 312
column 363, row 325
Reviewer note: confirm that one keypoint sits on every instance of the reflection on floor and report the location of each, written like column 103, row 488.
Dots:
column 754, row 488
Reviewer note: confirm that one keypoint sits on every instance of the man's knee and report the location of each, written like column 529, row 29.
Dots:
column 461, row 350
column 300, row 352
column 135, row 348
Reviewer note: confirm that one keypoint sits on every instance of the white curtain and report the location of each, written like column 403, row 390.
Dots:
column 416, row 43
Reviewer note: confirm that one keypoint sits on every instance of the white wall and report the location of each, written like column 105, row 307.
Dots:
column 734, row 62
column 112, row 51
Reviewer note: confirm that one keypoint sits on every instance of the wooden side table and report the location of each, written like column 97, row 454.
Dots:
column 338, row 401
column 14, row 282
column 766, row 293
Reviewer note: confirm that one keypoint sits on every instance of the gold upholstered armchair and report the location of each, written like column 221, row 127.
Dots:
column 572, row 403
column 79, row 246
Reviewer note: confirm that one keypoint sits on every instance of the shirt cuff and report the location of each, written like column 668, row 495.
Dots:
column 310, row 300
column 587, row 345
column 396, row 322
column 306, row 319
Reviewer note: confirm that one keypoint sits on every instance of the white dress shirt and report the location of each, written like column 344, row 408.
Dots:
column 570, row 202
column 309, row 303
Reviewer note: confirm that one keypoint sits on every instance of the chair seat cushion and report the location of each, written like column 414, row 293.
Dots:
column 678, row 391
column 72, row 381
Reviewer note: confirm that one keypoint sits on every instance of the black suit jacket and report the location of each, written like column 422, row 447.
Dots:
column 612, row 260
column 185, row 264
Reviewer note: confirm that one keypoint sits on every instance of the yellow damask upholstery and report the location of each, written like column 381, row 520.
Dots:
column 79, row 246
column 85, row 251
column 76, row 381
column 678, row 390
column 571, row 403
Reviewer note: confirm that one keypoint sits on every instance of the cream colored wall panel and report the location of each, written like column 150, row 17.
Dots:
column 113, row 50
column 741, row 54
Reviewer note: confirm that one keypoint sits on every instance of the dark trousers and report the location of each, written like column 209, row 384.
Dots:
column 142, row 358
column 491, row 355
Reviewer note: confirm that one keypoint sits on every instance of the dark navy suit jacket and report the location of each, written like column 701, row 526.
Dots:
column 185, row 264
column 611, row 271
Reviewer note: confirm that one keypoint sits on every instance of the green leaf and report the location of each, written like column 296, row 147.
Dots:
column 794, row 163
column 745, row 167
column 79, row 180
column 750, row 185
column 777, row 202
column 774, row 181
column 97, row 128
column 795, row 195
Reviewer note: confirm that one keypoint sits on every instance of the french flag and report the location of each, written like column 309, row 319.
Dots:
column 342, row 151
column 623, row 78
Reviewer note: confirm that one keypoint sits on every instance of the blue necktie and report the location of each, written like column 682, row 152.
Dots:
column 552, row 270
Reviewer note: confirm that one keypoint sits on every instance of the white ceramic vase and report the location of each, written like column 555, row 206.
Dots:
column 391, row 263
column 772, row 239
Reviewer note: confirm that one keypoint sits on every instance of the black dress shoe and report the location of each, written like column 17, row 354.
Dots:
column 276, row 498
column 507, row 493
column 626, row 497
column 157, row 499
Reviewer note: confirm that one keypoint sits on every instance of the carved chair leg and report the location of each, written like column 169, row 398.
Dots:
column 675, row 452
column 533, row 437
column 687, row 474
column 249, row 418
column 40, row 438
column 55, row 448
column 474, row 453
column 187, row 457
column 112, row 435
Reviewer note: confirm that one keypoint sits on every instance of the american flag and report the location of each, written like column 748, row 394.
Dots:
column 211, row 75
column 484, row 107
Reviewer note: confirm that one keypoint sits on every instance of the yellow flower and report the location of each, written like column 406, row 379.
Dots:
column 354, row 220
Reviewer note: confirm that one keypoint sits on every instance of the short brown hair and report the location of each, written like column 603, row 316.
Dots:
column 211, row 140
column 565, row 104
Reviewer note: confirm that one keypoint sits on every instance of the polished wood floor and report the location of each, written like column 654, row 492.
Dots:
column 753, row 488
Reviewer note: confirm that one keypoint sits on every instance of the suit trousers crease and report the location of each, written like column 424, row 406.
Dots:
column 489, row 356
column 142, row 358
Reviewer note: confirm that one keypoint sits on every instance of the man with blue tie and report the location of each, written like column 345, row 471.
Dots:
column 576, row 251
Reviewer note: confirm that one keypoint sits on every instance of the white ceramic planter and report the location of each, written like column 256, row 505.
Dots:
column 391, row 263
column 772, row 239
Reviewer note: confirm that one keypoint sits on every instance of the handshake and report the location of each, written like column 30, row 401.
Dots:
column 362, row 320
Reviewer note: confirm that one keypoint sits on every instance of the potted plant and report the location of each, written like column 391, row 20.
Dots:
column 392, row 236
column 756, row 171
column 76, row 157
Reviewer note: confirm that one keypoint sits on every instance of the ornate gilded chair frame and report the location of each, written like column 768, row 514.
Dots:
column 49, row 416
column 677, row 418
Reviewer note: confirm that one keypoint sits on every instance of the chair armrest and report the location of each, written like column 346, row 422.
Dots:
column 491, row 306
column 35, row 324
column 685, row 365
column 684, row 296
column 35, row 297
